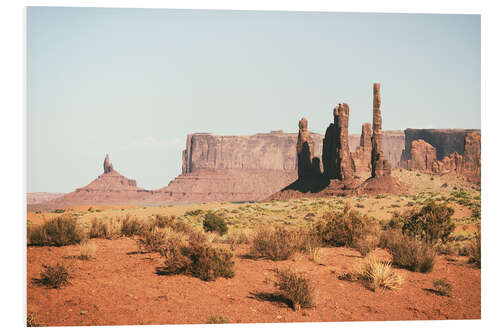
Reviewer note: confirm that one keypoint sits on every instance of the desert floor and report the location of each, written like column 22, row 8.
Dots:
column 120, row 286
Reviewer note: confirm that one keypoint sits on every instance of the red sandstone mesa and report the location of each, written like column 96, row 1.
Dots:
column 423, row 156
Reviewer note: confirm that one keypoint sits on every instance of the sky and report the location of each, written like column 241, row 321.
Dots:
column 135, row 82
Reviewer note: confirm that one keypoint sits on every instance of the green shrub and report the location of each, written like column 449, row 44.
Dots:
column 296, row 287
column 58, row 211
column 411, row 253
column 442, row 287
column 54, row 276
column 214, row 223
column 59, row 231
column 200, row 260
column 345, row 228
column 276, row 244
column 431, row 223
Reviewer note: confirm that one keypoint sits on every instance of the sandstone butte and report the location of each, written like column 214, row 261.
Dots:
column 246, row 168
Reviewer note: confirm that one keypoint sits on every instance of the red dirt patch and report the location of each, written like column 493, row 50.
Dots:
column 120, row 287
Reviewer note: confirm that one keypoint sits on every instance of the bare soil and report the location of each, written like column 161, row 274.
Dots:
column 120, row 287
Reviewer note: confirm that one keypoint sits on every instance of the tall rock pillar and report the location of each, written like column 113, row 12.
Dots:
column 380, row 166
column 305, row 151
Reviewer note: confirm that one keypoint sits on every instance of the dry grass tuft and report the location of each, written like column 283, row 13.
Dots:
column 379, row 274
column 54, row 276
column 443, row 287
column 87, row 250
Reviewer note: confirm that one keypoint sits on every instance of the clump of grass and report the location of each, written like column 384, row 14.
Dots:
column 104, row 228
column 237, row 236
column 54, row 276
column 194, row 212
column 213, row 319
column 87, row 250
column 200, row 260
column 131, row 226
column 379, row 274
column 214, row 223
column 296, row 287
column 366, row 243
column 152, row 240
column 413, row 254
column 58, row 211
column 31, row 320
column 276, row 244
column 59, row 231
column 443, row 287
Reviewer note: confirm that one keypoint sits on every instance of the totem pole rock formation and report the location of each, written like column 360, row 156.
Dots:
column 108, row 167
column 381, row 180
column 380, row 166
column 337, row 160
column 305, row 151
column 363, row 153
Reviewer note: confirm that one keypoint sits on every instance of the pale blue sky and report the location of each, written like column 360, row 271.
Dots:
column 134, row 82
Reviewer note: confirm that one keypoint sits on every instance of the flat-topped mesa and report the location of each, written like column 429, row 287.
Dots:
column 305, row 151
column 380, row 166
column 337, row 160
column 108, row 167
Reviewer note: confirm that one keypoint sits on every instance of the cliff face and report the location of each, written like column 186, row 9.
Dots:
column 446, row 141
column 271, row 151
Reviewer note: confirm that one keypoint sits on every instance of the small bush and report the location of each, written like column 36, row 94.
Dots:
column 379, row 274
column 411, row 253
column 54, row 276
column 194, row 212
column 58, row 211
column 152, row 240
column 59, row 231
column 200, row 260
column 87, row 250
column 443, row 287
column 296, row 287
column 214, row 223
column 131, row 226
column 276, row 244
column 31, row 320
column 431, row 223
column 237, row 236
column 366, row 243
column 475, row 250
column 108, row 229
column 345, row 228
column 218, row 320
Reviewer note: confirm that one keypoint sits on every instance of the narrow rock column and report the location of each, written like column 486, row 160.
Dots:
column 108, row 167
column 380, row 165
column 305, row 150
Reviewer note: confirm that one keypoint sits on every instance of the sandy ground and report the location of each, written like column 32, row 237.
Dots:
column 120, row 287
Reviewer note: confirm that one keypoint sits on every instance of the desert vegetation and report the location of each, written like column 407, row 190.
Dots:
column 294, row 253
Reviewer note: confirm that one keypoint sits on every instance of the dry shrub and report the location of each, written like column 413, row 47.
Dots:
column 311, row 245
column 366, row 243
column 237, row 236
column 379, row 274
column 200, row 260
column 276, row 244
column 218, row 320
column 475, row 250
column 346, row 228
column 413, row 254
column 153, row 240
column 108, row 229
column 59, row 231
column 443, row 287
column 87, row 250
column 31, row 320
column 131, row 226
column 54, row 276
column 296, row 287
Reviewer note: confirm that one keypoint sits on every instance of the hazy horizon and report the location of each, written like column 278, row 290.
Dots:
column 135, row 82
